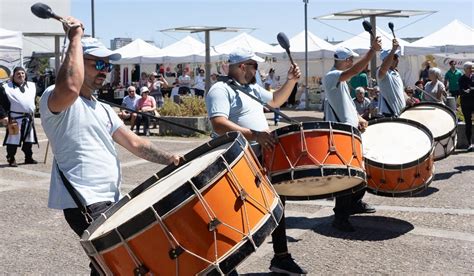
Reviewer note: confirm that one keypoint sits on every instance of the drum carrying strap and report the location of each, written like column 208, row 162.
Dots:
column 76, row 197
column 333, row 112
column 389, row 107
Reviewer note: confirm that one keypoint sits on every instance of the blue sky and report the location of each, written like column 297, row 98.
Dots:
column 145, row 18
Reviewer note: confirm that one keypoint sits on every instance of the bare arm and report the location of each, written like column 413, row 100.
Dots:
column 71, row 73
column 143, row 148
column 282, row 94
column 387, row 62
column 360, row 65
column 221, row 125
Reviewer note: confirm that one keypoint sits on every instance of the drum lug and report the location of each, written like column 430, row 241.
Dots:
column 332, row 149
column 382, row 181
column 213, row 224
column 258, row 181
column 141, row 270
column 243, row 195
column 400, row 180
column 417, row 175
column 175, row 252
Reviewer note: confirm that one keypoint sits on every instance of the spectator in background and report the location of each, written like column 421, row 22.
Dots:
column 359, row 80
column 435, row 86
column 466, row 88
column 17, row 98
column 184, row 83
column 411, row 100
column 271, row 84
column 154, row 85
column 130, row 101
column 143, row 79
column 451, row 79
column 418, row 91
column 362, row 103
column 374, row 102
column 200, row 84
column 424, row 72
column 147, row 105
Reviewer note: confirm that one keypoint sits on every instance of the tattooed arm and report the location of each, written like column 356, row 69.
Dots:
column 71, row 73
column 143, row 148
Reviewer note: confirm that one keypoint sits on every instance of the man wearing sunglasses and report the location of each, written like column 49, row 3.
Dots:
column 86, row 176
column 231, row 110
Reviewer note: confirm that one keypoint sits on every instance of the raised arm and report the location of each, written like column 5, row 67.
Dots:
column 360, row 65
column 282, row 94
column 71, row 72
column 387, row 62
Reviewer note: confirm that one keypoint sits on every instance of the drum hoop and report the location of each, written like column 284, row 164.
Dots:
column 408, row 164
column 404, row 193
column 443, row 107
column 351, row 190
column 316, row 125
column 230, row 155
column 287, row 175
column 338, row 131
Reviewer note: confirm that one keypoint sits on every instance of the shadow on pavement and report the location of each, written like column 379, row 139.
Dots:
column 427, row 192
column 368, row 228
column 457, row 170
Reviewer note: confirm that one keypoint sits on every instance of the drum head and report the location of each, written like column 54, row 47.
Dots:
column 396, row 142
column 439, row 119
column 155, row 193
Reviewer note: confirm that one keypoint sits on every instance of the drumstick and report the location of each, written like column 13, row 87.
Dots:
column 44, row 11
column 285, row 44
column 390, row 25
column 427, row 93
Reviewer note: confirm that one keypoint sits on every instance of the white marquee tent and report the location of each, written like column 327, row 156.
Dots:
column 136, row 51
column 185, row 50
column 456, row 37
column 317, row 47
column 247, row 41
column 11, row 45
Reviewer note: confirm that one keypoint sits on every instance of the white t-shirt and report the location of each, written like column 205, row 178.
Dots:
column 339, row 106
column 433, row 89
column 82, row 144
column 239, row 108
column 391, row 93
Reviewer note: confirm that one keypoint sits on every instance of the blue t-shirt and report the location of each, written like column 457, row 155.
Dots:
column 131, row 103
column 391, row 93
column 339, row 106
column 222, row 100
column 83, row 148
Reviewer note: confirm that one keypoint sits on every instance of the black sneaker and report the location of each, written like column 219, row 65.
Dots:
column 342, row 225
column 12, row 162
column 30, row 161
column 286, row 264
column 363, row 208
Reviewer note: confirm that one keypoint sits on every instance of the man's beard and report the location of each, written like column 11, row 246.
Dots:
column 253, row 80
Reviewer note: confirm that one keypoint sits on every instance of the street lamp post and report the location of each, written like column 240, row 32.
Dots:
column 92, row 18
column 306, row 52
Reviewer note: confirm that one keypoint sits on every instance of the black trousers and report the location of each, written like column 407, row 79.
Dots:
column 145, row 120
column 26, row 148
column 78, row 223
column 280, row 245
column 345, row 204
column 467, row 107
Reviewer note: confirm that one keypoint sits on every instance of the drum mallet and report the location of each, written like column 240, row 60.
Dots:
column 390, row 25
column 368, row 28
column 285, row 44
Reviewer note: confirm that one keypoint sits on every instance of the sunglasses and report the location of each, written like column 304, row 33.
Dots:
column 101, row 65
column 255, row 65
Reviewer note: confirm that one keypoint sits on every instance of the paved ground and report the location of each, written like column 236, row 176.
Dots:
column 428, row 234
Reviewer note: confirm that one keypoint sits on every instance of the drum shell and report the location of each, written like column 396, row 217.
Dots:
column 182, row 216
column 405, row 179
column 308, row 157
